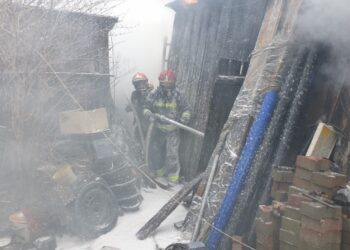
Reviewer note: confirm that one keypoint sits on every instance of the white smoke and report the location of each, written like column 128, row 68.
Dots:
column 327, row 22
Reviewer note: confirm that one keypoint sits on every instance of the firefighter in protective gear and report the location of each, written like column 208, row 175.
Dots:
column 164, row 146
column 138, row 99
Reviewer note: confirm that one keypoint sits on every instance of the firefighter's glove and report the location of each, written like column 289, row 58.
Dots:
column 185, row 118
column 185, row 121
column 148, row 115
column 152, row 119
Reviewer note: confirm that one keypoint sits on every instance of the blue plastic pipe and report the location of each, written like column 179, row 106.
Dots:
column 244, row 163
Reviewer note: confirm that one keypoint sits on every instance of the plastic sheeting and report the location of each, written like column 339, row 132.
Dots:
column 260, row 169
column 253, row 142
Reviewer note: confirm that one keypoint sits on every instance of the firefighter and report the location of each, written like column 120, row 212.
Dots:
column 138, row 98
column 166, row 100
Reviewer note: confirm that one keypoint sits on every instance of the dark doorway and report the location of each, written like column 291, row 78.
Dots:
column 227, row 86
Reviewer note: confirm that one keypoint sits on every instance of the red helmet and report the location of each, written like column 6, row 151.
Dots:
column 139, row 77
column 167, row 76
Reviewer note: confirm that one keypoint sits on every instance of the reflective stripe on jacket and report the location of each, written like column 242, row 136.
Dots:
column 172, row 105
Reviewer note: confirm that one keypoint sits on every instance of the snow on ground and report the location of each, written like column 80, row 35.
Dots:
column 123, row 235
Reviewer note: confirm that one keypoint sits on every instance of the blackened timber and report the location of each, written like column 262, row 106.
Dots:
column 167, row 209
column 203, row 34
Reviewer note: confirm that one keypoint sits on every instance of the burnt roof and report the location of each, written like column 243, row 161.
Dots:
column 106, row 22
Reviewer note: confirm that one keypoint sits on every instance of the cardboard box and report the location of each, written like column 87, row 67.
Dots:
column 83, row 122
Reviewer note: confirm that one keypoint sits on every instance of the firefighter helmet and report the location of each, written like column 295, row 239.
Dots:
column 139, row 77
column 167, row 77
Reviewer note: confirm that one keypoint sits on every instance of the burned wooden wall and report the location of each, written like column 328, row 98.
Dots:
column 203, row 34
column 46, row 58
column 50, row 61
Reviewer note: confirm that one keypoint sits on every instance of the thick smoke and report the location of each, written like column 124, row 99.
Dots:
column 327, row 22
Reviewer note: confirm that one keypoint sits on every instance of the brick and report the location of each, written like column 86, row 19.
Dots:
column 312, row 163
column 279, row 195
column 325, row 191
column 280, row 186
column 265, row 241
column 278, row 205
column 328, row 179
column 235, row 244
column 296, row 200
column 346, row 237
column 282, row 176
column 290, row 224
column 346, row 225
column 292, row 212
column 319, row 239
column 307, row 246
column 264, row 228
column 303, row 174
column 263, row 236
column 296, row 190
column 289, row 237
column 301, row 183
column 260, row 246
column 265, row 213
column 287, row 246
column 278, row 208
column 318, row 211
column 321, row 226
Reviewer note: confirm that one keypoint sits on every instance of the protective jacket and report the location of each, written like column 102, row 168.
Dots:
column 169, row 103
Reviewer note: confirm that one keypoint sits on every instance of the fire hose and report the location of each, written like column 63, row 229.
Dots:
column 150, row 130
column 168, row 120
column 179, row 125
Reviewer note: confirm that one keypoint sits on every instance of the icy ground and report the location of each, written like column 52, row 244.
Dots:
column 123, row 235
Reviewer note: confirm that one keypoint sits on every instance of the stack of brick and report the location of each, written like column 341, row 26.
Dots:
column 264, row 228
column 267, row 226
column 282, row 179
column 311, row 225
column 321, row 226
column 346, row 235
column 291, row 220
column 313, row 174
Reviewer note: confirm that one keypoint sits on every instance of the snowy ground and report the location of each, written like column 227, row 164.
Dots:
column 123, row 235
